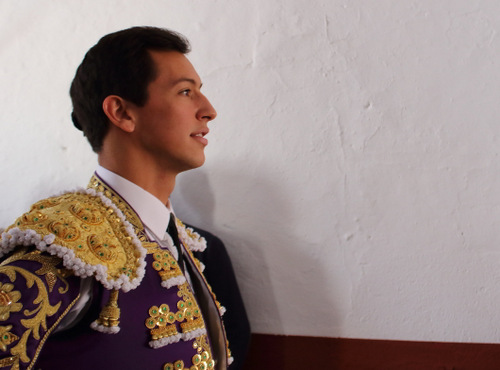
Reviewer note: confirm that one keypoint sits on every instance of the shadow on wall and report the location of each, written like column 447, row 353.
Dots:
column 277, row 271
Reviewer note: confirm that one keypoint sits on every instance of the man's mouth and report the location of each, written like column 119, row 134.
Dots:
column 200, row 137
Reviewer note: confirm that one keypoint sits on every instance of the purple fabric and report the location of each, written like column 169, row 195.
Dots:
column 25, row 322
column 84, row 348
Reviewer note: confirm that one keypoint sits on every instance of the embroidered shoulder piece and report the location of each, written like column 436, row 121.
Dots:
column 88, row 232
column 190, row 238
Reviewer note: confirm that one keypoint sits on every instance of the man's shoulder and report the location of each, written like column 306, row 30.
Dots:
column 215, row 253
column 87, row 231
column 207, row 235
column 215, row 248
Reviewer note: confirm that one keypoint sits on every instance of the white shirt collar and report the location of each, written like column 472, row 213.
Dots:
column 152, row 212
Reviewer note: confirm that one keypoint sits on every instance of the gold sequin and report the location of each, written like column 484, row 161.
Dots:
column 165, row 263
column 161, row 322
column 196, row 359
column 178, row 365
column 201, row 361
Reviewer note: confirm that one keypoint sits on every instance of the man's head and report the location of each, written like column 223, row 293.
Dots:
column 119, row 64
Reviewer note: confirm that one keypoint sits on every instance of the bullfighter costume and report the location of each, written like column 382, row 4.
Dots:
column 84, row 285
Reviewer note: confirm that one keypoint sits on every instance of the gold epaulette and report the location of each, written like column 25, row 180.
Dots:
column 88, row 232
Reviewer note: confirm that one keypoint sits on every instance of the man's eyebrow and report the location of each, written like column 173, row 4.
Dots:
column 185, row 79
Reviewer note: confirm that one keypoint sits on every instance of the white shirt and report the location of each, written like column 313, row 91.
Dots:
column 152, row 212
column 154, row 215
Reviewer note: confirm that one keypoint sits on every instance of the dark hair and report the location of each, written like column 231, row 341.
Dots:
column 119, row 64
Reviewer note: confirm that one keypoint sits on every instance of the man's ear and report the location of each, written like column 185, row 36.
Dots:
column 116, row 109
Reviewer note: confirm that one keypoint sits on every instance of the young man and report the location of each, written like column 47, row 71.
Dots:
column 108, row 277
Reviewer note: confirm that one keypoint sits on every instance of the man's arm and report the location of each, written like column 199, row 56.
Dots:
column 36, row 292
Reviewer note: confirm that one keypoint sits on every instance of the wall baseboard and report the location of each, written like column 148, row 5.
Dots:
column 278, row 352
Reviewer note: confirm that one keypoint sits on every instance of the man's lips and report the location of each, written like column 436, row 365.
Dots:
column 200, row 136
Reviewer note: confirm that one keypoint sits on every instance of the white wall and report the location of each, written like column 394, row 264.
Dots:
column 352, row 171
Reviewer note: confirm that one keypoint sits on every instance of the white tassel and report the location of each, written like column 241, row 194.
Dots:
column 105, row 329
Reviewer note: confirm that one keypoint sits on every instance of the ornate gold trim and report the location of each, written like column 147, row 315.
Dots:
column 132, row 217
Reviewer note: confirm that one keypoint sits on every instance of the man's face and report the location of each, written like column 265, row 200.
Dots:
column 171, row 126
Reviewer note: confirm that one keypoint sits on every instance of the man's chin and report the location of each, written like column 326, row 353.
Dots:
column 194, row 164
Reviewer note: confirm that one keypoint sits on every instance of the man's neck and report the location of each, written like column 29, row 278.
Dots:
column 158, row 183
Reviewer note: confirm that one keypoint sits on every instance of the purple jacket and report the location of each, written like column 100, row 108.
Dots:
column 142, row 314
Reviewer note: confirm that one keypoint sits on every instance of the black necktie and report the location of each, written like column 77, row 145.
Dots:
column 172, row 231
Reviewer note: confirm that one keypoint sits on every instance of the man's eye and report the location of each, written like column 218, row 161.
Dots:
column 186, row 92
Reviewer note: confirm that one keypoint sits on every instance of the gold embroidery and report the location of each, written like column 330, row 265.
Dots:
column 189, row 308
column 102, row 248
column 167, row 271
column 8, row 301
column 161, row 322
column 123, row 206
column 64, row 230
column 32, row 218
column 203, row 348
column 178, row 365
column 193, row 318
column 10, row 361
column 165, row 264
column 150, row 247
column 48, row 269
column 51, row 279
column 47, row 334
column 197, row 263
column 36, row 318
column 202, row 360
column 6, row 337
column 45, row 203
column 91, row 229
column 89, row 215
